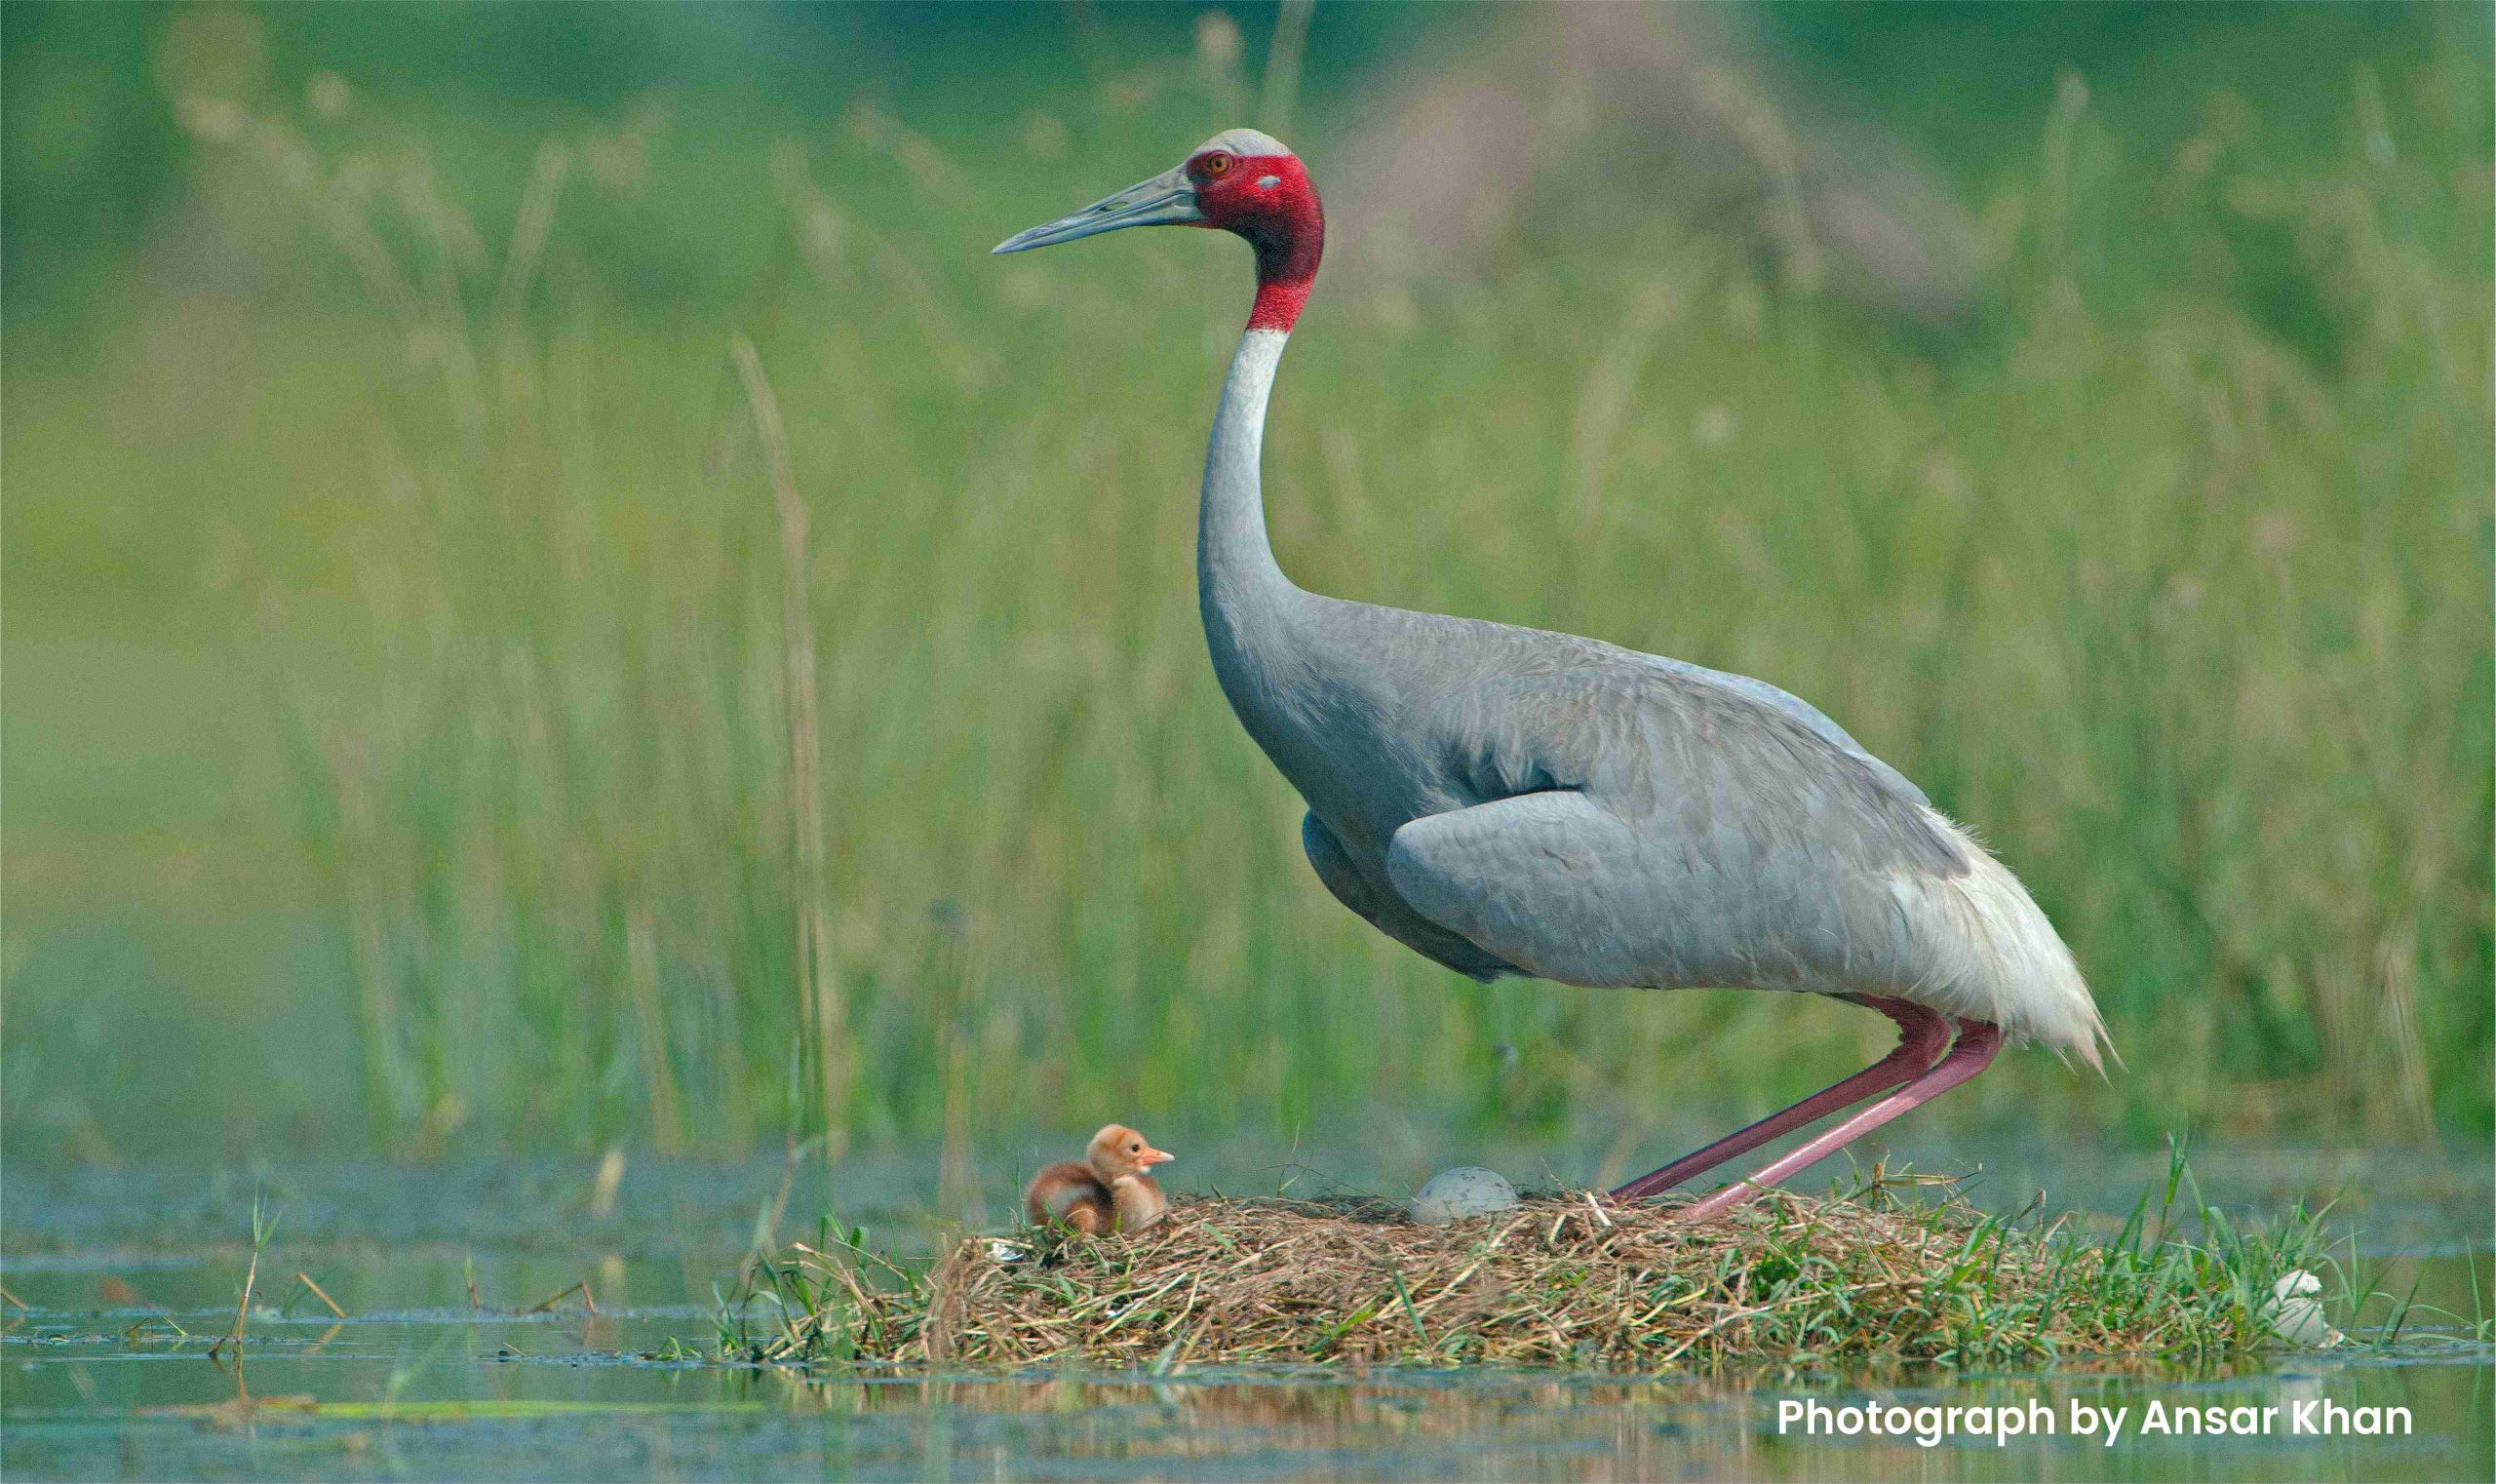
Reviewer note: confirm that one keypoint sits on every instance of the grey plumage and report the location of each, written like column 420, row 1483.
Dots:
column 1508, row 800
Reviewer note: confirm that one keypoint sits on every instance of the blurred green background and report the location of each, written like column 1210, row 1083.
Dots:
column 2086, row 406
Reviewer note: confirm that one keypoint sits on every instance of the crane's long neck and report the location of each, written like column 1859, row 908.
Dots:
column 1234, row 561
column 1251, row 610
column 1261, row 629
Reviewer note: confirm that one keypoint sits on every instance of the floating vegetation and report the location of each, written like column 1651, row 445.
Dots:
column 1564, row 1280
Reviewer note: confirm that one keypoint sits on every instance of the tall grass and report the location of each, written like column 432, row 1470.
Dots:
column 2170, row 577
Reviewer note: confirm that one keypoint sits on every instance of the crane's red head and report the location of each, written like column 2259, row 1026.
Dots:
column 1239, row 180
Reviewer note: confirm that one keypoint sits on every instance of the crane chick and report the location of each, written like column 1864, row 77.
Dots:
column 1110, row 1192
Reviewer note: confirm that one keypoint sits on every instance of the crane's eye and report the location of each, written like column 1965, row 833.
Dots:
column 1217, row 164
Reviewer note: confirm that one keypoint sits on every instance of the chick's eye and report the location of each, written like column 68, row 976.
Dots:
column 1135, row 1149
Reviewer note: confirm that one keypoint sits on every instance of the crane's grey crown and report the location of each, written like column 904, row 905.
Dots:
column 1244, row 142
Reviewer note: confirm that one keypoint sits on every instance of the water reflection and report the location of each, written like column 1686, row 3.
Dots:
column 398, row 1403
column 452, row 1365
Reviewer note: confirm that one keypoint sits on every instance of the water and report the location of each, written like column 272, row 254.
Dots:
column 421, row 1383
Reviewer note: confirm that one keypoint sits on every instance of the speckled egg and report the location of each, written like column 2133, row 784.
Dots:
column 1467, row 1190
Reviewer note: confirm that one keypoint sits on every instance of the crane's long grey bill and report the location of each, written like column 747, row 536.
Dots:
column 1165, row 199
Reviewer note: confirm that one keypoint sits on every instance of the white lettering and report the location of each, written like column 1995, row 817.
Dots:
column 2036, row 1418
column 2330, row 1419
column 2086, row 1421
column 1930, row 1426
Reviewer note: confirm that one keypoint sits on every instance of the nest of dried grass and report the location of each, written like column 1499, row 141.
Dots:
column 1562, row 1281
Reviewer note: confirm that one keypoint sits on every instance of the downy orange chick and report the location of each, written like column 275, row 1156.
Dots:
column 1109, row 1193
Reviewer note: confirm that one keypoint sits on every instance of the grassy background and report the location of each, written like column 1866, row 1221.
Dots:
column 396, row 746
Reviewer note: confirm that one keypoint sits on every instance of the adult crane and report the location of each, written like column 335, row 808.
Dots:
column 1507, row 800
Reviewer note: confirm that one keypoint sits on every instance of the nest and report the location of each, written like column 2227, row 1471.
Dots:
column 1561, row 1281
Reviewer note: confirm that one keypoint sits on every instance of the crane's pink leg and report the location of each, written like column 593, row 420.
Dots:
column 1978, row 1040
column 1921, row 1035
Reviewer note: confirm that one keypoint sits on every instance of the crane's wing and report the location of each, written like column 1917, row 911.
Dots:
column 1386, row 911
column 1811, row 716
column 1547, row 882
column 1641, row 826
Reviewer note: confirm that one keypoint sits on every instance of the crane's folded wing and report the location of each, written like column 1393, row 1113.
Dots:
column 1662, row 827
column 1386, row 911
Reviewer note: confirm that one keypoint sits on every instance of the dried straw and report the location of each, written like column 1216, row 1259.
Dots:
column 1561, row 1281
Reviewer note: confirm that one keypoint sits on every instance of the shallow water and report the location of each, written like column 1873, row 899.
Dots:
column 112, row 1268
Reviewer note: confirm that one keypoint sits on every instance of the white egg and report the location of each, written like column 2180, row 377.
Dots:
column 1452, row 1195
column 2295, row 1315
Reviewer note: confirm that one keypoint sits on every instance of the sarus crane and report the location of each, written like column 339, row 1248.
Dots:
column 1510, row 801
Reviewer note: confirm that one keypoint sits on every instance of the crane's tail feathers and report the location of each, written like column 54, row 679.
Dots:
column 2000, row 958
